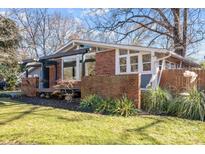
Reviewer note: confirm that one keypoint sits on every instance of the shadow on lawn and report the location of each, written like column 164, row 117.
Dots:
column 142, row 131
column 22, row 114
column 64, row 118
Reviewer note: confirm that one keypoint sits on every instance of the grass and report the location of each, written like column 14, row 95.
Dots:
column 28, row 124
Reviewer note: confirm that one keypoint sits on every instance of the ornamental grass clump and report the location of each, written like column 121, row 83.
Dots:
column 90, row 103
column 192, row 106
column 106, row 106
column 122, row 106
column 156, row 101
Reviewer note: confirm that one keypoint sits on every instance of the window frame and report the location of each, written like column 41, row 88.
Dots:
column 133, row 55
column 74, row 71
column 147, row 71
column 128, row 62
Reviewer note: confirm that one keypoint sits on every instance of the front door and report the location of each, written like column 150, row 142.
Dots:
column 46, row 77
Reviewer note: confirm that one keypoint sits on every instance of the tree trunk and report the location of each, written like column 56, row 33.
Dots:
column 185, row 31
column 178, row 45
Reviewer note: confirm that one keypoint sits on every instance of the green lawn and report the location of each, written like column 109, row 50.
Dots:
column 29, row 124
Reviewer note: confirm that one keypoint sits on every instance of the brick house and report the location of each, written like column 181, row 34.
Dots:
column 106, row 69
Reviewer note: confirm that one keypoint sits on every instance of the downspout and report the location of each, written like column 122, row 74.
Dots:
column 83, row 62
column 163, row 58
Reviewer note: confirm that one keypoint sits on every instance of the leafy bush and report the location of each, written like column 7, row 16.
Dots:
column 9, row 73
column 156, row 101
column 193, row 106
column 90, row 103
column 106, row 106
column 161, row 101
column 94, row 103
column 124, row 107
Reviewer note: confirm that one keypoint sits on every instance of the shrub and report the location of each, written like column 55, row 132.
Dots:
column 90, row 103
column 106, row 106
column 124, row 107
column 9, row 73
column 94, row 103
column 174, row 105
column 193, row 106
column 156, row 101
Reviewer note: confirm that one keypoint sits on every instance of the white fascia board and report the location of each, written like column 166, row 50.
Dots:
column 63, row 47
column 120, row 46
column 116, row 46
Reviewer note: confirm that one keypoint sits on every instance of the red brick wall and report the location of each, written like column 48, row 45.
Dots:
column 52, row 73
column 174, row 80
column 29, row 86
column 113, row 86
column 105, row 63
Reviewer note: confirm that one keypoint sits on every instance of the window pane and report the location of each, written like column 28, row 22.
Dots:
column 123, row 61
column 123, row 52
column 69, row 73
column 146, row 58
column 122, row 69
column 134, row 59
column 167, row 65
column 147, row 67
column 133, row 51
column 89, row 68
column 134, row 68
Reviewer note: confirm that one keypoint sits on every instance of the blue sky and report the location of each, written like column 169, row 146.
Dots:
column 80, row 13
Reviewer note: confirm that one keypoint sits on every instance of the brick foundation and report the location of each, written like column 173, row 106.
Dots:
column 113, row 86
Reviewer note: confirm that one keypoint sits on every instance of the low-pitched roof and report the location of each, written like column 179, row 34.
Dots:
column 126, row 46
column 62, row 52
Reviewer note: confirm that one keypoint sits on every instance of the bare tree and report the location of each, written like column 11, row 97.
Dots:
column 42, row 31
column 174, row 28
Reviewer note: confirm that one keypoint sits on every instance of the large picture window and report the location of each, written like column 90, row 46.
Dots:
column 69, row 71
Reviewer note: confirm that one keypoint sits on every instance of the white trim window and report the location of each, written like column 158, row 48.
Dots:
column 128, row 61
column 131, row 62
column 134, row 61
column 160, row 64
column 123, row 64
column 170, row 65
column 146, row 62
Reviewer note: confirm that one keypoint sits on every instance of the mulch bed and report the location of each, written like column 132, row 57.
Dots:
column 56, row 103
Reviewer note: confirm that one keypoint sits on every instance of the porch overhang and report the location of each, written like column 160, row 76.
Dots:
column 65, row 54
